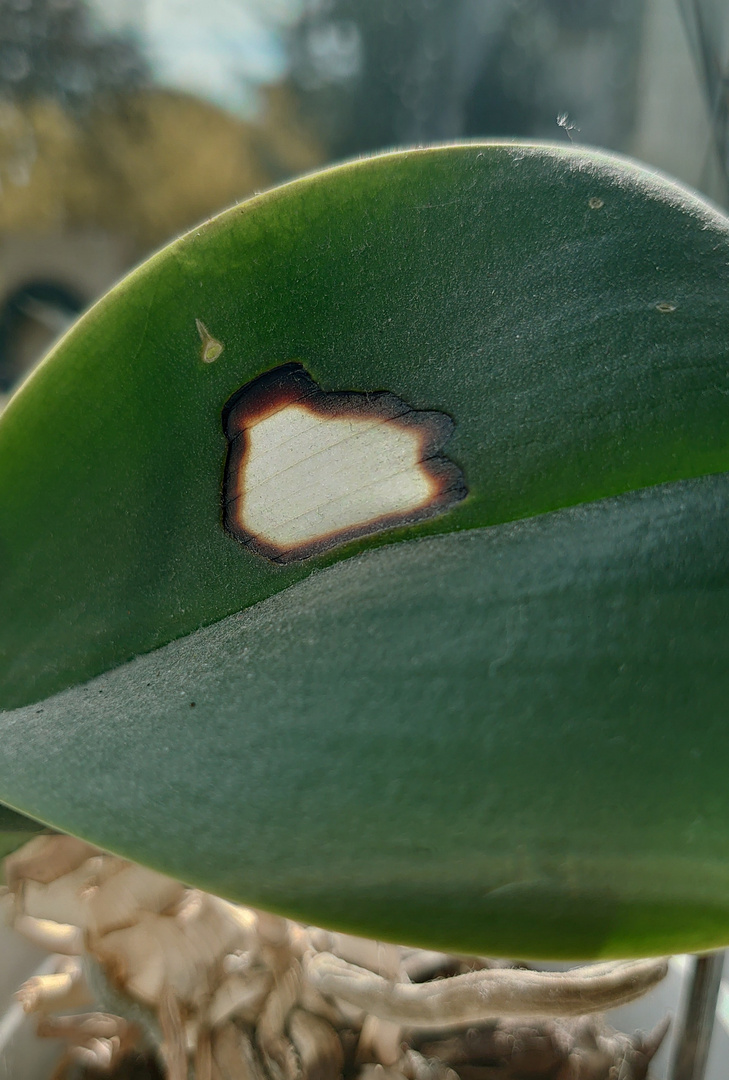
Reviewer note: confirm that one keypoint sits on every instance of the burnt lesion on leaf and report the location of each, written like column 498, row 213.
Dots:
column 308, row 470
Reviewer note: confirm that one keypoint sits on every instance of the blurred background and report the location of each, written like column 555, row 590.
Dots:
column 125, row 122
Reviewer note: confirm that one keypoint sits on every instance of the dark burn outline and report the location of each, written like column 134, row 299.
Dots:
column 291, row 384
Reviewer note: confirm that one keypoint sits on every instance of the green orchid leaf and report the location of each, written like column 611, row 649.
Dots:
column 504, row 366
column 509, row 739
column 567, row 310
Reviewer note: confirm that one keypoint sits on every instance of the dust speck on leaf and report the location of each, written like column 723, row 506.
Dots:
column 564, row 122
column 211, row 347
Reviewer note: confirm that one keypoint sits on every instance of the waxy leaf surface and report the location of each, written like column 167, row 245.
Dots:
column 491, row 734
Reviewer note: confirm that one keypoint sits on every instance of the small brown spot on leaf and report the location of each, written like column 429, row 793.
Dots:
column 595, row 203
column 665, row 308
column 308, row 470
column 211, row 347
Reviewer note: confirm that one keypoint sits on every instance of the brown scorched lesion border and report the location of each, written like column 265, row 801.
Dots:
column 341, row 465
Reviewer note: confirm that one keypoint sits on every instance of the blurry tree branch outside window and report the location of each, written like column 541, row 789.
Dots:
column 124, row 122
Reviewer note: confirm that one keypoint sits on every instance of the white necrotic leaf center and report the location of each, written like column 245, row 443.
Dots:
column 309, row 469
column 308, row 475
